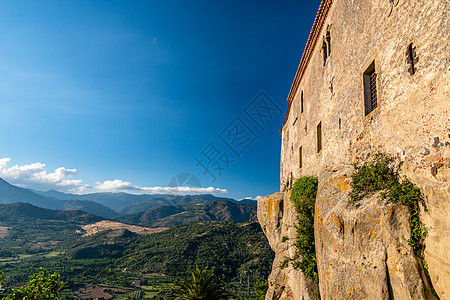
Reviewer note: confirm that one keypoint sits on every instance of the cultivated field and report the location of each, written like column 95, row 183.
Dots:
column 110, row 225
column 97, row 291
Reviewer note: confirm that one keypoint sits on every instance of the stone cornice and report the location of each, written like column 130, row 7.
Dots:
column 309, row 48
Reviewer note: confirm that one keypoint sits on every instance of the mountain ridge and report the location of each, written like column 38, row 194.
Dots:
column 169, row 216
column 12, row 194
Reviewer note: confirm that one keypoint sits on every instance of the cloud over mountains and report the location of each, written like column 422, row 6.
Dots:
column 35, row 176
column 119, row 185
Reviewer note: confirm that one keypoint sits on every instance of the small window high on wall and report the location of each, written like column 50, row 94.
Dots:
column 300, row 152
column 301, row 102
column 370, row 89
column 326, row 45
column 319, row 137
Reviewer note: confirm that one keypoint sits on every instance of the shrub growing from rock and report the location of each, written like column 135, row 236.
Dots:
column 303, row 196
column 379, row 174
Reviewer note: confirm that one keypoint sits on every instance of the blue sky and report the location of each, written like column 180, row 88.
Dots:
column 125, row 95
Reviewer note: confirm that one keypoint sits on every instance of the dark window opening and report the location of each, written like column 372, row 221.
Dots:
column 328, row 39
column 300, row 157
column 325, row 52
column 319, row 137
column 370, row 89
column 301, row 103
column 340, row 123
column 411, row 59
column 326, row 45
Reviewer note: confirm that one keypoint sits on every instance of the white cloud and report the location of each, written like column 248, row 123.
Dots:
column 35, row 175
column 119, row 185
column 252, row 198
column 115, row 185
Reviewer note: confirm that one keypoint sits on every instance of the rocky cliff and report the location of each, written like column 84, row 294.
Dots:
column 278, row 218
column 362, row 250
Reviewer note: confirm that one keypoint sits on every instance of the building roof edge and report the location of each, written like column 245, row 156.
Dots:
column 319, row 21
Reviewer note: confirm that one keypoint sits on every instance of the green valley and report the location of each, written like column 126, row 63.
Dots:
column 120, row 258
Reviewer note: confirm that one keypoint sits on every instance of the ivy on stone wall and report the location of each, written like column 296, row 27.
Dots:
column 303, row 197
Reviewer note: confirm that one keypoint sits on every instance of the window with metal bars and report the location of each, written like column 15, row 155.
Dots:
column 370, row 89
column 319, row 137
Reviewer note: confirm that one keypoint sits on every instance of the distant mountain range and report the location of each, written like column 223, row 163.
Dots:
column 110, row 205
column 168, row 200
column 169, row 216
column 125, row 203
column 10, row 194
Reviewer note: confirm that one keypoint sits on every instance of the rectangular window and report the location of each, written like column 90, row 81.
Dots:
column 300, row 157
column 319, row 137
column 301, row 103
column 370, row 89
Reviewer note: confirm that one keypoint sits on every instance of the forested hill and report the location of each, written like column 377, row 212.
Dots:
column 19, row 214
column 120, row 256
column 227, row 247
column 30, row 229
column 169, row 216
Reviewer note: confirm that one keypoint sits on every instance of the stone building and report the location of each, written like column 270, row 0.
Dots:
column 374, row 77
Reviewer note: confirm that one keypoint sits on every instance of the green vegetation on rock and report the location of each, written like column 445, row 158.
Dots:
column 303, row 197
column 379, row 174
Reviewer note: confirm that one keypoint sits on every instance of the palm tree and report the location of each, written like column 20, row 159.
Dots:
column 198, row 285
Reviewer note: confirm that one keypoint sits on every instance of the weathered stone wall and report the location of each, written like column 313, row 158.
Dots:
column 437, row 220
column 412, row 111
column 278, row 218
column 411, row 122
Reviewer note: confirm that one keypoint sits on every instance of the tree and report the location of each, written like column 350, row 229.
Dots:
column 261, row 288
column 198, row 285
column 40, row 286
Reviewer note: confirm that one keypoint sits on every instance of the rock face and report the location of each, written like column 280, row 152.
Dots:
column 278, row 218
column 362, row 249
column 436, row 189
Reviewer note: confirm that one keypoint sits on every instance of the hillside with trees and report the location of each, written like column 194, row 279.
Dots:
column 169, row 216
